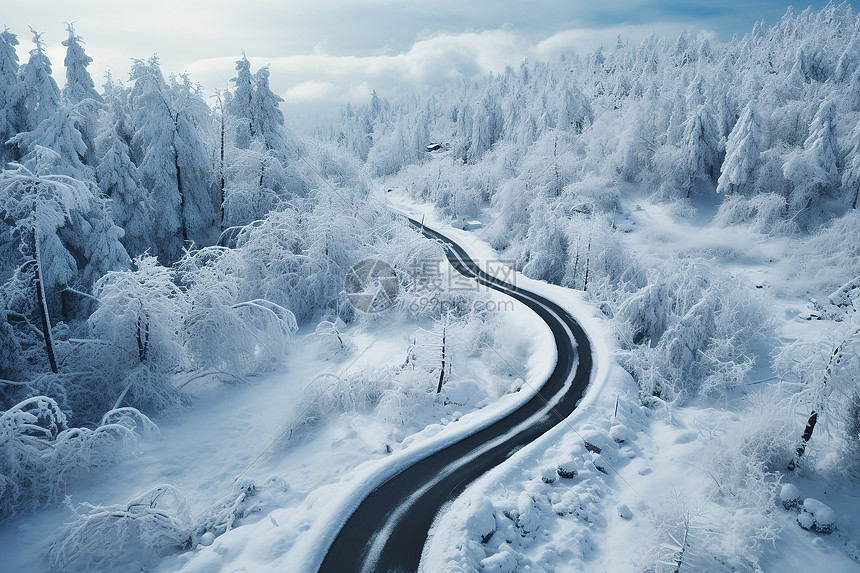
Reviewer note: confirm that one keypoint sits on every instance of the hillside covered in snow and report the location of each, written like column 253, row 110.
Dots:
column 188, row 380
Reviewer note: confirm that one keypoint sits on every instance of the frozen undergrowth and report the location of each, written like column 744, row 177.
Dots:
column 40, row 455
column 380, row 411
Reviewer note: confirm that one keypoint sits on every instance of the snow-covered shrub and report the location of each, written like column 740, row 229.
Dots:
column 593, row 192
column 703, row 330
column 298, row 256
column 39, row 453
column 830, row 258
column 745, row 470
column 220, row 518
column 407, row 397
column 644, row 316
column 691, row 538
column 742, row 326
column 135, row 349
column 763, row 213
column 332, row 344
column 223, row 332
column 548, row 257
column 824, row 375
column 125, row 537
column 132, row 419
column 650, row 369
column 244, row 499
column 329, row 395
column 547, row 474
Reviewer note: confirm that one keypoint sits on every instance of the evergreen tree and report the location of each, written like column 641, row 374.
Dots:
column 80, row 92
column 812, row 170
column 41, row 97
column 193, row 129
column 701, row 149
column 11, row 94
column 239, row 104
column 267, row 120
column 153, row 152
column 59, row 134
column 119, row 179
column 173, row 161
column 79, row 83
column 742, row 154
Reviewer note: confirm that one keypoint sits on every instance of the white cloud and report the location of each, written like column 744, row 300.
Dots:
column 310, row 91
column 332, row 80
column 327, row 52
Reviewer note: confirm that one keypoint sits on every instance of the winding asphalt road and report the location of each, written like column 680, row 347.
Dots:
column 388, row 530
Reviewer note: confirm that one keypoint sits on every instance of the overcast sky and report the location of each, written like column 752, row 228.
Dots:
column 326, row 52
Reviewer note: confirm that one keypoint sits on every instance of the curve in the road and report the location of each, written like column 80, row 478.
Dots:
column 388, row 530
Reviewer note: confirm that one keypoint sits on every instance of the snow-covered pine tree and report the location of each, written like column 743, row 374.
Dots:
column 238, row 105
column 153, row 151
column 58, row 133
column 41, row 96
column 80, row 92
column 194, row 131
column 119, row 179
column 812, row 170
column 56, row 234
column 267, row 119
column 11, row 94
column 701, row 149
column 174, row 164
column 79, row 84
column 742, row 153
column 851, row 174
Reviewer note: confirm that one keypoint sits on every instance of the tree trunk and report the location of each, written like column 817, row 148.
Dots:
column 223, row 197
column 179, row 179
column 832, row 364
column 142, row 336
column 181, row 196
column 804, row 439
column 442, row 371
column 679, row 561
column 587, row 261
column 43, row 307
column 262, row 173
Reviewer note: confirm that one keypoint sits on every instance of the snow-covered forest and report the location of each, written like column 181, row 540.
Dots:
column 151, row 235
column 761, row 134
column 703, row 196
